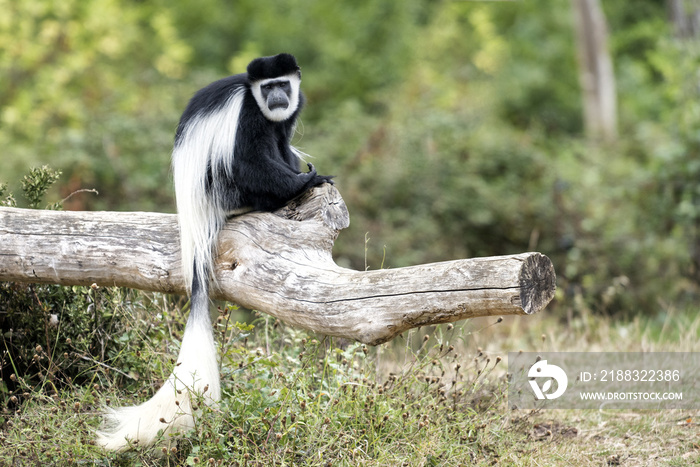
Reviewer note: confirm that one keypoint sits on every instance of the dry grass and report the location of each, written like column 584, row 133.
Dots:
column 434, row 396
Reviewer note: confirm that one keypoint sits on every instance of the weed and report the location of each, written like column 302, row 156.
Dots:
column 435, row 396
column 294, row 398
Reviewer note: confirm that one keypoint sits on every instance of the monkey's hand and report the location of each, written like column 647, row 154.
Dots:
column 320, row 179
column 312, row 169
column 309, row 176
column 326, row 179
column 313, row 179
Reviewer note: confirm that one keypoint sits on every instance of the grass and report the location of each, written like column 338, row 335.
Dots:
column 435, row 396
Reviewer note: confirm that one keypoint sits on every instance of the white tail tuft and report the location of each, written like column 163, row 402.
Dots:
column 170, row 409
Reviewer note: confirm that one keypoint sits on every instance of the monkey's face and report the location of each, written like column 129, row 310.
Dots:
column 278, row 98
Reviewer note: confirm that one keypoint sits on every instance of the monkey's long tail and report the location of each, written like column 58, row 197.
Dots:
column 196, row 374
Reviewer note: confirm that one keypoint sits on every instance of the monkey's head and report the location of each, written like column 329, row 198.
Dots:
column 274, row 82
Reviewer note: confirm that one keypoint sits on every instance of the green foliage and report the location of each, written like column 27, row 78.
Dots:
column 55, row 336
column 347, row 50
column 481, row 153
column 631, row 210
column 454, row 128
column 36, row 184
column 9, row 200
column 81, row 77
column 34, row 187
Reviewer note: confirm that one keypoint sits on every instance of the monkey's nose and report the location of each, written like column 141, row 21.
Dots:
column 277, row 100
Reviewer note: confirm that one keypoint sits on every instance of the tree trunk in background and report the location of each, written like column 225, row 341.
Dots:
column 685, row 17
column 596, row 73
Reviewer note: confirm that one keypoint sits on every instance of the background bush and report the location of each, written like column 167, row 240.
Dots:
column 454, row 128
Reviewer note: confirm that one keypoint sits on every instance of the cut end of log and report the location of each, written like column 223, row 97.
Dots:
column 537, row 283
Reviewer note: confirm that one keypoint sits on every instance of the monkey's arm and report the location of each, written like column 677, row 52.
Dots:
column 266, row 183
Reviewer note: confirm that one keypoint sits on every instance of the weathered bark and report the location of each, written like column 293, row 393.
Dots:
column 596, row 74
column 279, row 263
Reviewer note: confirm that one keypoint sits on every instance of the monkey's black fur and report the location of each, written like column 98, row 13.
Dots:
column 232, row 153
column 264, row 171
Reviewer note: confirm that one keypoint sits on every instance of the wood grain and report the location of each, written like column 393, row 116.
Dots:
column 279, row 263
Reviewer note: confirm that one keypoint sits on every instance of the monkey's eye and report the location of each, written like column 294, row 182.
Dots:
column 268, row 86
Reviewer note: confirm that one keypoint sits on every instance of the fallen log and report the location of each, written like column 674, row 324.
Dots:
column 279, row 263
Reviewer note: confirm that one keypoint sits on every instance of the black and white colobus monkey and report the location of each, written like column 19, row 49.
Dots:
column 232, row 154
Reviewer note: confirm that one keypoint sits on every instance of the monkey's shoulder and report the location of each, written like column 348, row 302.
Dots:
column 215, row 95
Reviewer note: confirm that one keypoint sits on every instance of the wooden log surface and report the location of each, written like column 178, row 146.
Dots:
column 279, row 263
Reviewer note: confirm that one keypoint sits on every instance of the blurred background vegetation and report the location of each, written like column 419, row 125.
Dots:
column 455, row 128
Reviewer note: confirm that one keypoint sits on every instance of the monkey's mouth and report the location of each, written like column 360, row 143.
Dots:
column 277, row 100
